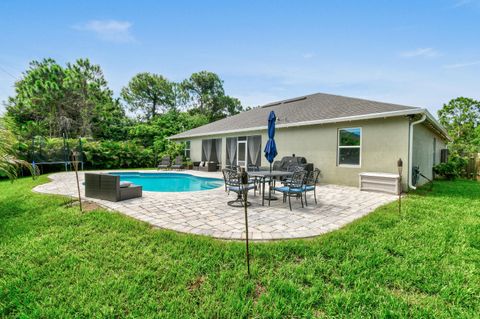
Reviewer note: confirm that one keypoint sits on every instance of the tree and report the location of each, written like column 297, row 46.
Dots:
column 231, row 105
column 86, row 93
column 461, row 118
column 109, row 122
column 203, row 88
column 51, row 100
column 9, row 163
column 157, row 130
column 207, row 96
column 38, row 96
column 150, row 93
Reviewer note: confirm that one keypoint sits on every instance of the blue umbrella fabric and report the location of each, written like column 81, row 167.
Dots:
column 271, row 148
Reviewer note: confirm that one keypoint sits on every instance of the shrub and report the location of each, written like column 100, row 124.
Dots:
column 451, row 169
column 111, row 154
column 97, row 154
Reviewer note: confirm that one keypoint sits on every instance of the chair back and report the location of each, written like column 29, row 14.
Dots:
column 233, row 168
column 230, row 177
column 312, row 177
column 297, row 180
column 165, row 160
column 102, row 186
column 294, row 168
column 179, row 160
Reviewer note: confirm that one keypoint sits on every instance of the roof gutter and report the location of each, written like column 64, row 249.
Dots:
column 410, row 151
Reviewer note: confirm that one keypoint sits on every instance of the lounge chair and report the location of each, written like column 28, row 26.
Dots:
column 233, row 184
column 165, row 163
column 178, row 163
column 294, row 188
column 107, row 187
column 311, row 182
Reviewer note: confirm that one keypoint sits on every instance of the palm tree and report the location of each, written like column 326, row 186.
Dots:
column 9, row 164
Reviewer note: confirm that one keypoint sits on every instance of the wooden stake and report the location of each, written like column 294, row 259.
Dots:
column 244, row 183
column 400, row 169
column 75, row 167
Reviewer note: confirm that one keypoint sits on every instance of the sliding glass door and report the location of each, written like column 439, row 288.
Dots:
column 242, row 152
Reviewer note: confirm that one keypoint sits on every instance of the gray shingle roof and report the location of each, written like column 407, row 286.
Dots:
column 313, row 107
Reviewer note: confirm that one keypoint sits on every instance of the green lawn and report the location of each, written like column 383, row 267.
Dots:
column 57, row 262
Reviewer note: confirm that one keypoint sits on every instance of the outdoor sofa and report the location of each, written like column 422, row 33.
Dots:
column 107, row 187
column 208, row 166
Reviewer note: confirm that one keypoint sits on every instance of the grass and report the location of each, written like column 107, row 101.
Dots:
column 57, row 262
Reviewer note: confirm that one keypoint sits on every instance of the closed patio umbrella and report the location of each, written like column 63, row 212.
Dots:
column 271, row 148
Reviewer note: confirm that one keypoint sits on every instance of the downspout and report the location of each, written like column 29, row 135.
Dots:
column 410, row 151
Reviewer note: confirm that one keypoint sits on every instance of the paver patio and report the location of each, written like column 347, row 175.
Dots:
column 207, row 212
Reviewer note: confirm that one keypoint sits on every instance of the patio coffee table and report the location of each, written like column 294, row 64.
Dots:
column 263, row 175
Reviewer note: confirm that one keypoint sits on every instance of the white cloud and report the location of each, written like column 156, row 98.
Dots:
column 109, row 30
column 461, row 65
column 461, row 3
column 420, row 52
column 308, row 55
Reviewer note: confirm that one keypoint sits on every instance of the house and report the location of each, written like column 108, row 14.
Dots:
column 342, row 136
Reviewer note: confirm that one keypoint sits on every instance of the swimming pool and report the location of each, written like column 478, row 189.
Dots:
column 170, row 182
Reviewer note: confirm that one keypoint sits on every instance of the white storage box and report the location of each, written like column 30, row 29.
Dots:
column 380, row 182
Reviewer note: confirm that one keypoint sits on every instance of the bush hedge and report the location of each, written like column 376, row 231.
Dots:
column 98, row 154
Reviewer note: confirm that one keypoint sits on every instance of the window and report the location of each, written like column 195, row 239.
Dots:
column 186, row 150
column 349, row 146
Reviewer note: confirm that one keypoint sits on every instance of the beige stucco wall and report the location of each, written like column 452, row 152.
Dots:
column 423, row 149
column 384, row 141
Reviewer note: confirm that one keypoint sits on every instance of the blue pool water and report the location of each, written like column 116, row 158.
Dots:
column 170, row 182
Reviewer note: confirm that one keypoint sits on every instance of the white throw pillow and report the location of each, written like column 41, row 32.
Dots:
column 125, row 184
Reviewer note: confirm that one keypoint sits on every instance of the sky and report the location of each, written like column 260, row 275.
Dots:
column 418, row 53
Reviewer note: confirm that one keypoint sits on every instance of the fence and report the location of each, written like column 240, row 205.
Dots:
column 473, row 167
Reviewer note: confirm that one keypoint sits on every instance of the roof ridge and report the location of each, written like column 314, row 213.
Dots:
column 304, row 97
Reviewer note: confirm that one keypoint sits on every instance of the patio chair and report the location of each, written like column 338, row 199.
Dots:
column 233, row 167
column 293, row 188
column 311, row 181
column 233, row 184
column 292, row 168
column 165, row 163
column 178, row 163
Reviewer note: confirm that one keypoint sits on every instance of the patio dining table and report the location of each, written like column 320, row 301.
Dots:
column 263, row 175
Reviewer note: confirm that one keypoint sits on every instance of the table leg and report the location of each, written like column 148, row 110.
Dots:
column 269, row 190
column 263, row 191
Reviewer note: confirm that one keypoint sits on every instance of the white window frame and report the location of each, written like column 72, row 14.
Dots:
column 355, row 146
column 188, row 146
